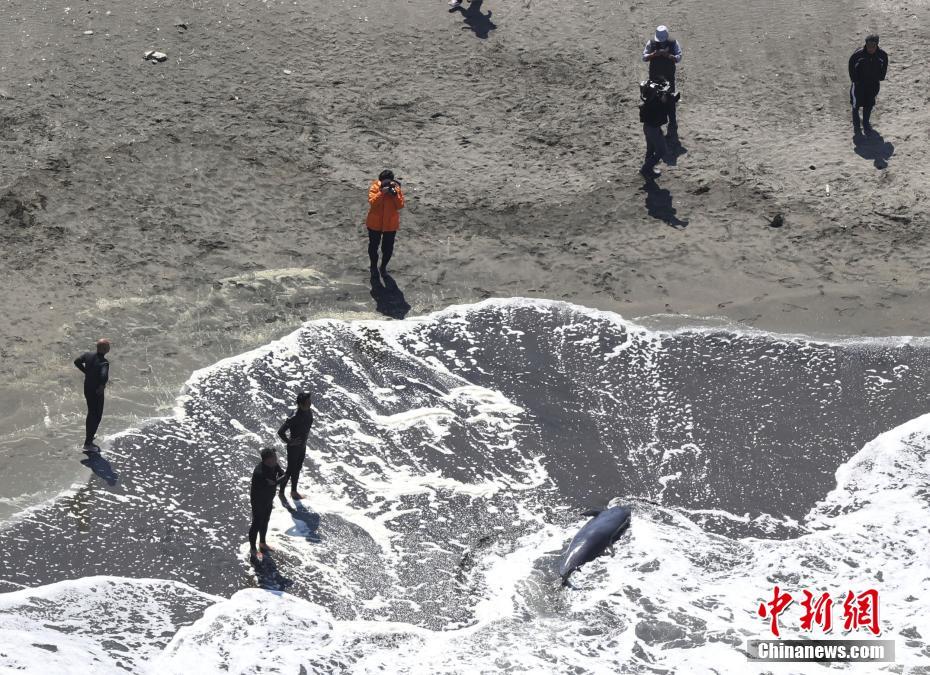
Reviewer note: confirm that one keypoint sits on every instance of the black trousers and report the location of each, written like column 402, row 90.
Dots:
column 261, row 514
column 862, row 95
column 94, row 414
column 386, row 239
column 295, row 462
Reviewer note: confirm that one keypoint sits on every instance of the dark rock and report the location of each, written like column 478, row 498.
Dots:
column 652, row 632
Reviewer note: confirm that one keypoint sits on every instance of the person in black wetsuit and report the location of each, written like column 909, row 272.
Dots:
column 867, row 68
column 261, row 496
column 299, row 427
column 96, row 371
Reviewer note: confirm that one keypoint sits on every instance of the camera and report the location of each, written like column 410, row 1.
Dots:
column 650, row 89
column 390, row 186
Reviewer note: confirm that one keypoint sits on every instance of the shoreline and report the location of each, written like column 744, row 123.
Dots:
column 138, row 198
column 127, row 411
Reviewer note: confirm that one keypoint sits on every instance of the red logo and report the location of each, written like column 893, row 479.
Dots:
column 860, row 611
column 779, row 602
column 819, row 612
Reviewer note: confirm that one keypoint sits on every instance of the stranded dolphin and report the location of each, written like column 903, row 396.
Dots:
column 597, row 535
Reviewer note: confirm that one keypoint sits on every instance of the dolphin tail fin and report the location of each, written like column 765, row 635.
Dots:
column 591, row 513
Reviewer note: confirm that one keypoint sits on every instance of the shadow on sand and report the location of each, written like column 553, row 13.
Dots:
column 659, row 205
column 479, row 24
column 675, row 150
column 268, row 575
column 389, row 299
column 101, row 467
column 306, row 522
column 875, row 148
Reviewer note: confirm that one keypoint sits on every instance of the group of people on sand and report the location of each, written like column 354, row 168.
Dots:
column 385, row 200
column 867, row 69
column 268, row 478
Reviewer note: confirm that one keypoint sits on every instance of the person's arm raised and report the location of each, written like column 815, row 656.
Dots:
column 374, row 193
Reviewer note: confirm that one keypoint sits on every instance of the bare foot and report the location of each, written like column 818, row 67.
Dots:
column 265, row 547
column 257, row 555
column 296, row 495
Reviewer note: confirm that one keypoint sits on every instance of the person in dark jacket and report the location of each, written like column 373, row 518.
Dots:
column 663, row 55
column 867, row 68
column 265, row 480
column 657, row 100
column 96, row 371
column 294, row 433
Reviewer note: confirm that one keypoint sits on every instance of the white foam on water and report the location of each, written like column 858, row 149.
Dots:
column 673, row 597
column 302, row 274
column 430, row 417
column 93, row 625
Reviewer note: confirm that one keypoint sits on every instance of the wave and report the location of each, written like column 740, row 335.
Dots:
column 448, row 462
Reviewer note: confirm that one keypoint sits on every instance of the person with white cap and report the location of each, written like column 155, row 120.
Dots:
column 663, row 55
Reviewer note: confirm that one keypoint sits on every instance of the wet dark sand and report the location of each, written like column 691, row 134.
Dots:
column 131, row 190
column 713, row 422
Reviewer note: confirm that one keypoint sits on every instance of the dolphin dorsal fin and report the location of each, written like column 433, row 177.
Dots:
column 592, row 513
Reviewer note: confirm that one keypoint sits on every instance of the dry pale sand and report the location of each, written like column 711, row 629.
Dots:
column 195, row 208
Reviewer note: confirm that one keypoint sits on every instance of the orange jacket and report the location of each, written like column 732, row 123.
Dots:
column 383, row 213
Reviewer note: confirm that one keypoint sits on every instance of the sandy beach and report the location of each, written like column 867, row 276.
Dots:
column 193, row 209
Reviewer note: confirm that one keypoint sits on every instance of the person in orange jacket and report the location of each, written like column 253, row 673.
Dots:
column 385, row 199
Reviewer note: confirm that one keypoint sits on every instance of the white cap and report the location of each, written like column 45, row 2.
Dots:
column 661, row 33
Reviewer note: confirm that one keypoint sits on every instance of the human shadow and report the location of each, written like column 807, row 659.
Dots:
column 479, row 24
column 269, row 577
column 101, row 467
column 674, row 151
column 659, row 205
column 389, row 299
column 306, row 522
column 875, row 148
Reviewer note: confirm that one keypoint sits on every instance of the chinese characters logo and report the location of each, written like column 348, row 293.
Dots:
column 860, row 611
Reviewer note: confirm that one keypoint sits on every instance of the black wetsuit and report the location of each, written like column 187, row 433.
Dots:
column 261, row 496
column 96, row 371
column 299, row 427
